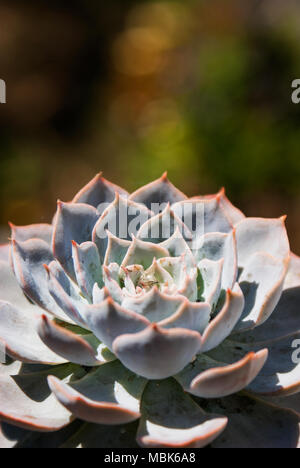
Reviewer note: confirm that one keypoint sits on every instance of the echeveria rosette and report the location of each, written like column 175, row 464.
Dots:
column 178, row 340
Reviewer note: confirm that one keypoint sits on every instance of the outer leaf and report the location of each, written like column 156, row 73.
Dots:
column 29, row 258
column 280, row 375
column 72, row 347
column 10, row 290
column 19, row 335
column 207, row 378
column 33, row 231
column 98, row 191
column 261, row 235
column 222, row 325
column 26, row 401
column 261, row 282
column 170, row 418
column 211, row 214
column 160, row 191
column 234, row 214
column 110, row 395
column 292, row 279
column 284, row 321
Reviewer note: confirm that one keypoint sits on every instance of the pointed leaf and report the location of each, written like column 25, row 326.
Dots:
column 233, row 214
column 153, row 305
column 72, row 347
column 284, row 321
column 157, row 353
column 87, row 267
column 222, row 325
column 201, row 217
column 65, row 296
column 143, row 253
column 108, row 320
column 177, row 246
column 215, row 246
column 99, row 295
column 261, row 235
column 208, row 378
column 122, row 218
column 160, row 191
column 116, row 249
column 74, row 222
column 261, row 282
column 191, row 315
column 33, row 231
column 211, row 280
column 280, row 375
column 112, row 281
column 97, row 192
column 161, row 227
column 110, row 395
column 29, row 258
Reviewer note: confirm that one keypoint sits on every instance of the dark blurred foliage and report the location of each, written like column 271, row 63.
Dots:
column 200, row 88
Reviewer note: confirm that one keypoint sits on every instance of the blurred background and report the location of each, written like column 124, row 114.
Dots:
column 133, row 88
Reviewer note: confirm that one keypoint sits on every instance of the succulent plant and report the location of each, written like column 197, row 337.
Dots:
column 149, row 320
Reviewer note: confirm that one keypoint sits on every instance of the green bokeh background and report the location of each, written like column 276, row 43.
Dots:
column 199, row 88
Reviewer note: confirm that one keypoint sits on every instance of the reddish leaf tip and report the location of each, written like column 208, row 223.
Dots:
column 164, row 177
column 44, row 318
column 46, row 268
